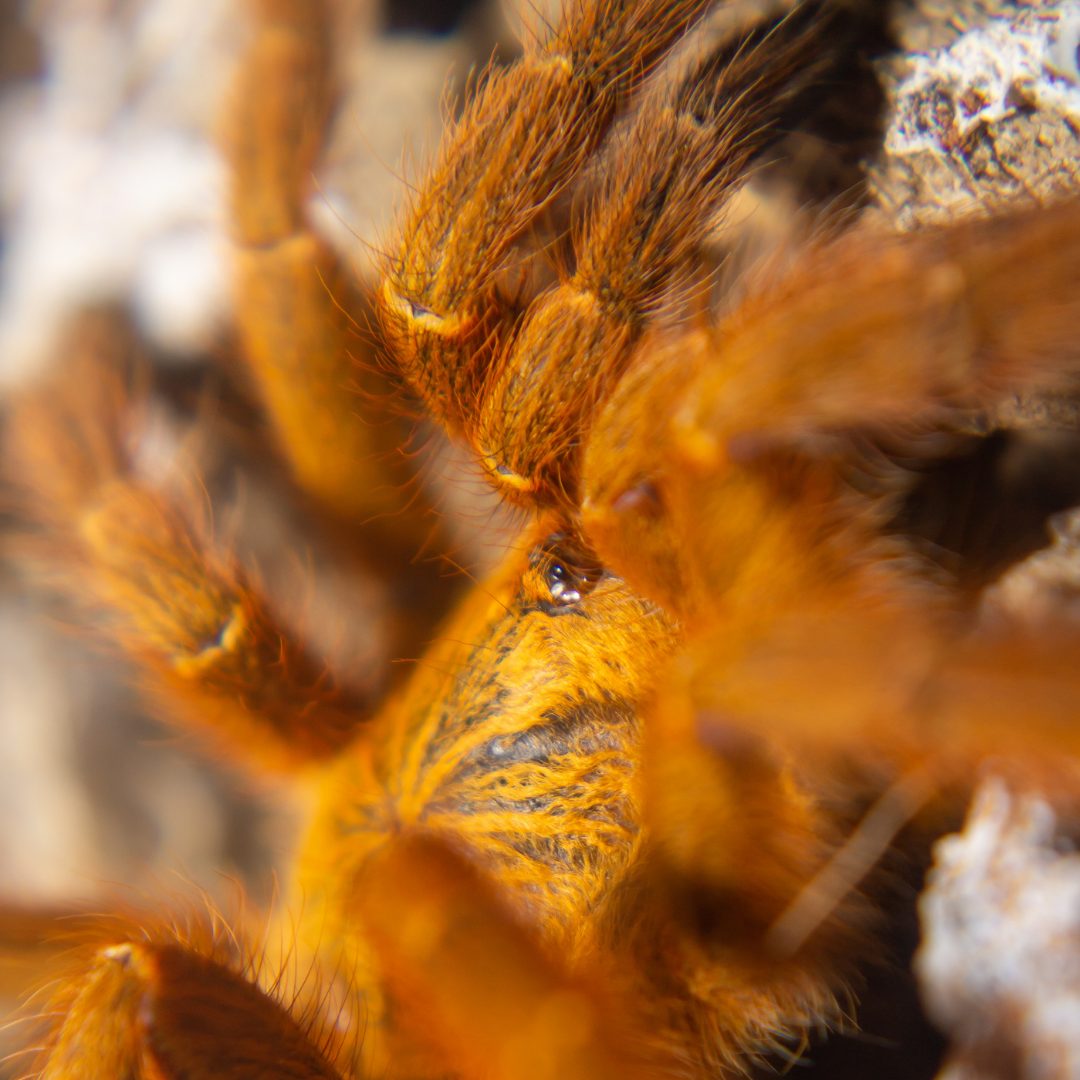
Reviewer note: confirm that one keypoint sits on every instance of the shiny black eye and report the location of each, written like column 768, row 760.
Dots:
column 568, row 569
column 561, row 584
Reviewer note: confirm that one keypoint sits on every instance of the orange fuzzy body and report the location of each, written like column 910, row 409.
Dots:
column 604, row 828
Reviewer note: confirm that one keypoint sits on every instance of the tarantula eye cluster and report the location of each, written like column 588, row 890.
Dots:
column 568, row 569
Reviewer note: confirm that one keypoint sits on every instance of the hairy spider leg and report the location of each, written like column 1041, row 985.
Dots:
column 526, row 133
column 758, row 489
column 138, row 996
column 480, row 988
column 300, row 317
column 754, row 519
column 664, row 180
column 139, row 551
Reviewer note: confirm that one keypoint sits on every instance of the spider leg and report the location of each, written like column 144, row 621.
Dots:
column 873, row 331
column 521, row 140
column 331, row 406
column 815, row 643
column 756, row 492
column 140, row 550
column 664, row 181
column 474, row 984
column 154, row 1001
column 905, row 690
column 735, row 834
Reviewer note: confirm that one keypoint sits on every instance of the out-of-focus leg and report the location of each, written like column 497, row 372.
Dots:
column 139, row 551
column 476, row 988
column 301, row 321
column 519, row 143
column 151, row 1003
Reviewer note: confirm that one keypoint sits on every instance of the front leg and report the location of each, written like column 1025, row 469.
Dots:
column 139, row 553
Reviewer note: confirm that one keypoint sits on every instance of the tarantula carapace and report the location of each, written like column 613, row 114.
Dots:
column 596, row 832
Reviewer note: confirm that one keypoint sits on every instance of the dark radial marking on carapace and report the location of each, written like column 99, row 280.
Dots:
column 569, row 768
column 471, row 701
column 585, row 730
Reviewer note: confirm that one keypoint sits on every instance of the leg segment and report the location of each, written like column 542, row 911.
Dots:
column 663, row 183
column 734, row 835
column 152, row 1005
column 873, row 331
column 763, row 485
column 200, row 628
column 521, row 140
column 313, row 367
column 477, row 987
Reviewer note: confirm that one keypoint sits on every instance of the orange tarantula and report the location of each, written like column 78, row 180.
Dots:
column 605, row 827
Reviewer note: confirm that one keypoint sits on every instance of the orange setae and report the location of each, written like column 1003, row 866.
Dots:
column 621, row 818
